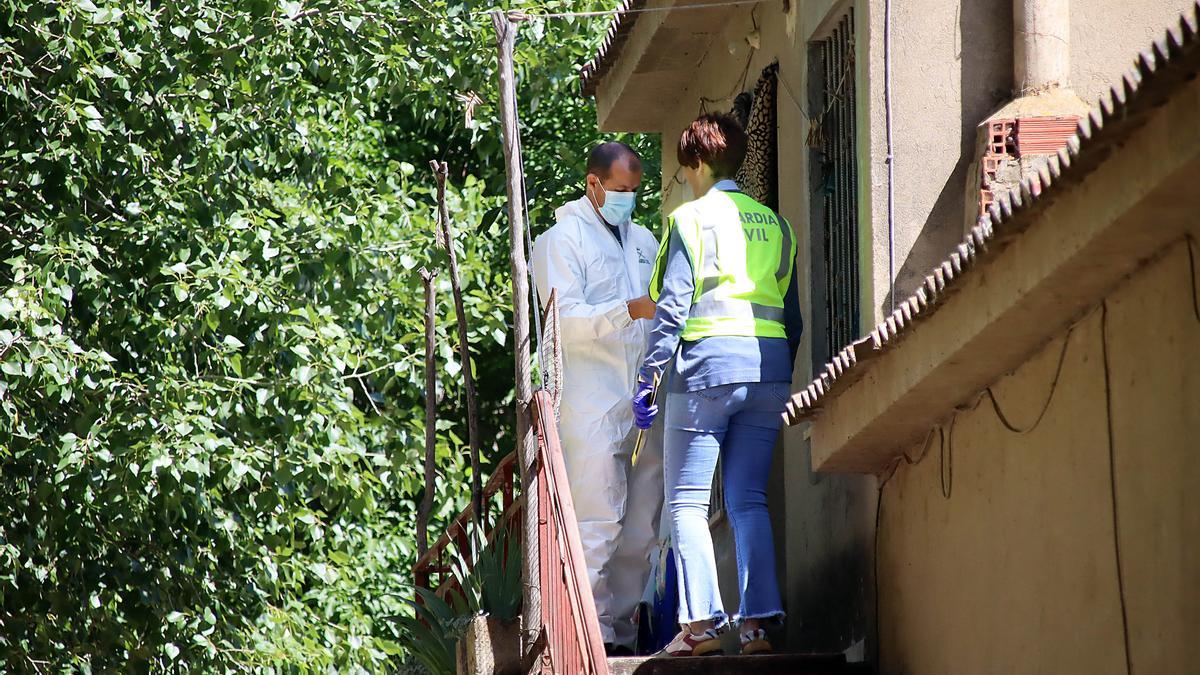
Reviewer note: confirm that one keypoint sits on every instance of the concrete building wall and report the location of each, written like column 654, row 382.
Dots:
column 1106, row 36
column 998, row 551
column 952, row 67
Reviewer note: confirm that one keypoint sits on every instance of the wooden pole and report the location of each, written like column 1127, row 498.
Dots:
column 426, row 507
column 446, row 239
column 506, row 33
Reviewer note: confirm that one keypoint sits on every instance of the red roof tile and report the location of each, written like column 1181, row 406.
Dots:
column 618, row 31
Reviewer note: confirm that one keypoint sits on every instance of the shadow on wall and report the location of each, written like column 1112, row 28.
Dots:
column 830, row 603
column 985, row 57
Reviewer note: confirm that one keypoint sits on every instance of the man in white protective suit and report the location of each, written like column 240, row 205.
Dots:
column 598, row 261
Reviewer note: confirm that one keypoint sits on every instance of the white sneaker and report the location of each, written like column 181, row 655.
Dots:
column 688, row 643
column 755, row 642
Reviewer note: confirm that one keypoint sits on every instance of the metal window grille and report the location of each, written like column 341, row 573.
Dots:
column 833, row 186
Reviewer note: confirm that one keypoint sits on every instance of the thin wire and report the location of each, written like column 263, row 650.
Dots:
column 875, row 567
column 835, row 98
column 740, row 85
column 792, row 95
column 879, row 518
column 519, row 15
column 887, row 108
column 814, row 139
column 913, row 462
column 1192, row 270
column 1062, row 358
column 946, row 482
column 1112, row 472
column 946, row 452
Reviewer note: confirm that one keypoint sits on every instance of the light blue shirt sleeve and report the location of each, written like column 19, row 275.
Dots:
column 671, row 313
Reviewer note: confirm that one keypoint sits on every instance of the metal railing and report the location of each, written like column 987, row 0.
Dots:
column 570, row 630
column 435, row 570
column 565, row 624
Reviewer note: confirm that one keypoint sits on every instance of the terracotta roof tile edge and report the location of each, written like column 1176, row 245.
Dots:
column 1012, row 213
column 618, row 31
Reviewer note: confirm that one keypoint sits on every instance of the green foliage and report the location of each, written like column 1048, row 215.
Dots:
column 211, row 214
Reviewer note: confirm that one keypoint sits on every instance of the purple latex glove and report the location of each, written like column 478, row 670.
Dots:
column 644, row 409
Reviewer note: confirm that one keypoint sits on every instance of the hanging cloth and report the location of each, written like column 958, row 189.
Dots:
column 758, row 176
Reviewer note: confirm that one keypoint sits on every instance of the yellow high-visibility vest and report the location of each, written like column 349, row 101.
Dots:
column 743, row 257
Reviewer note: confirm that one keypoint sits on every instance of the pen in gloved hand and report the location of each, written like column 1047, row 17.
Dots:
column 641, row 437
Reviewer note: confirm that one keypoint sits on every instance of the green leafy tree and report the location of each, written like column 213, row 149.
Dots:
column 210, row 220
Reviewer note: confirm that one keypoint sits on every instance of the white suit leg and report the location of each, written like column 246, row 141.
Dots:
column 630, row 564
column 596, row 473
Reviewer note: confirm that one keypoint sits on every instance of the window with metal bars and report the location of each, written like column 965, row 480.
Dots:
column 833, row 190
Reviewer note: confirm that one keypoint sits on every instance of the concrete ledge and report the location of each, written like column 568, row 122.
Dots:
column 1143, row 194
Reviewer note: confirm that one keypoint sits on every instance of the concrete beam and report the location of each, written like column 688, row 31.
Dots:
column 1081, row 245
column 656, row 63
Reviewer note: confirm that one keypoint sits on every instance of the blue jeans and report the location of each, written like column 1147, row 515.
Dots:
column 738, row 423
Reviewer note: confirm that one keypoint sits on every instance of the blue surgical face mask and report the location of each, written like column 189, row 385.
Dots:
column 618, row 206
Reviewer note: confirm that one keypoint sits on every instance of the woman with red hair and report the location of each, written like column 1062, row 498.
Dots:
column 724, row 338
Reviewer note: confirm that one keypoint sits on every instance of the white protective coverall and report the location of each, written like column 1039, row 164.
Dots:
column 617, row 505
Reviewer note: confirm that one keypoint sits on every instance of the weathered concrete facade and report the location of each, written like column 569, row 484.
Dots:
column 952, row 66
column 1046, row 521
column 998, row 551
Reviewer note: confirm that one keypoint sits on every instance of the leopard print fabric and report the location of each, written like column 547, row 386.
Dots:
column 758, row 176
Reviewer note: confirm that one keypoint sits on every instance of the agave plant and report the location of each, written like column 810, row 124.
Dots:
column 431, row 634
column 492, row 586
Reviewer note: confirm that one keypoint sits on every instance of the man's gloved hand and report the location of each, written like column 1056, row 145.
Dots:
column 644, row 409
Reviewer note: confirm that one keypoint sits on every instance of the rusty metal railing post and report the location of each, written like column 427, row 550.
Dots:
column 573, row 640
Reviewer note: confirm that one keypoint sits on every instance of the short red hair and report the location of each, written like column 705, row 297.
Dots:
column 717, row 140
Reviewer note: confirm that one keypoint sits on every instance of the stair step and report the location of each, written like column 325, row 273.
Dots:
column 772, row 664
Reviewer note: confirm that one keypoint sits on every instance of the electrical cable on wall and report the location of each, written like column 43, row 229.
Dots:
column 887, row 116
column 946, row 451
column 1112, row 472
column 1062, row 357
column 1189, row 241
